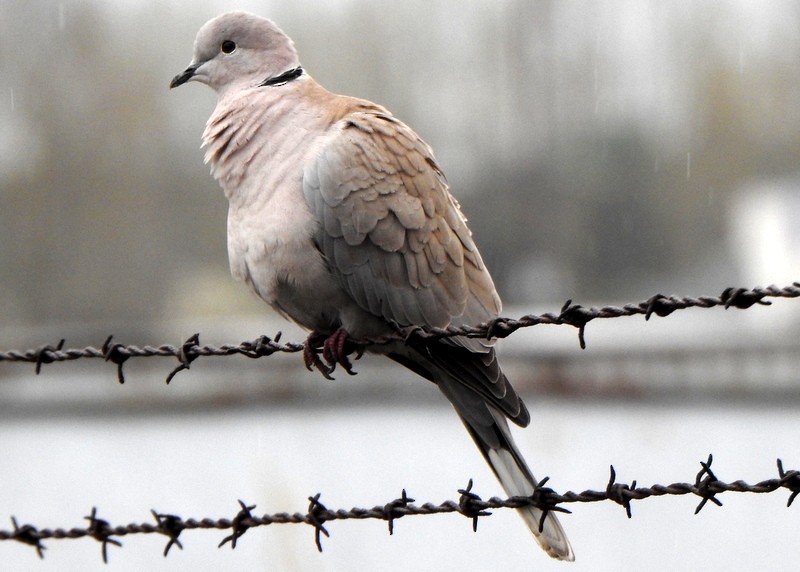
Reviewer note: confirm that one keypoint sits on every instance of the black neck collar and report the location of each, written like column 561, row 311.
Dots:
column 283, row 78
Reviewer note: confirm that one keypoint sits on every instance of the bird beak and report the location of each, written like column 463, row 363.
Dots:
column 184, row 76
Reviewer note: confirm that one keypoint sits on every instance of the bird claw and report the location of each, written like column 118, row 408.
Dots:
column 333, row 350
column 311, row 353
column 337, row 347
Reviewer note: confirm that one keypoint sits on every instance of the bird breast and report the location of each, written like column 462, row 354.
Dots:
column 255, row 146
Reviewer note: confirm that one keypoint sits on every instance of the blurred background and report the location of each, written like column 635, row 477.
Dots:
column 603, row 152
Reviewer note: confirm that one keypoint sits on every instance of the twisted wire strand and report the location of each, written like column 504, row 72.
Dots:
column 706, row 486
column 571, row 314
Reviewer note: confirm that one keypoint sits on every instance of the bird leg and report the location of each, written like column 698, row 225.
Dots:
column 334, row 350
column 337, row 347
column 314, row 342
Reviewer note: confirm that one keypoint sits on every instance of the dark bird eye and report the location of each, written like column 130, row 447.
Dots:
column 228, row 46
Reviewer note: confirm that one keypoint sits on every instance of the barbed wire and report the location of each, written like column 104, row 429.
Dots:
column 706, row 486
column 570, row 314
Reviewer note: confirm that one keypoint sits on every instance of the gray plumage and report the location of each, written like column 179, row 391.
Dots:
column 341, row 219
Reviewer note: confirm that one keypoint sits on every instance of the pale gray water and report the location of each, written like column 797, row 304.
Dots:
column 195, row 465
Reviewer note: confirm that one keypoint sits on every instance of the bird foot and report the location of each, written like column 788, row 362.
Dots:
column 323, row 352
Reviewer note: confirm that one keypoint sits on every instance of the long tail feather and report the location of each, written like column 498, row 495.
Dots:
column 483, row 401
column 517, row 480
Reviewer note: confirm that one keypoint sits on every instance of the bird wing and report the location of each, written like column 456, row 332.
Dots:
column 390, row 230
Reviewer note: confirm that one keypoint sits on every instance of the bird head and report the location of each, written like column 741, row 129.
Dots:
column 238, row 49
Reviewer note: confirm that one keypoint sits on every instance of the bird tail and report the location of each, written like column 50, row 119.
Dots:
column 489, row 429
column 483, row 401
column 517, row 480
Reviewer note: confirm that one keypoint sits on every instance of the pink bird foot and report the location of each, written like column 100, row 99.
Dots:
column 324, row 352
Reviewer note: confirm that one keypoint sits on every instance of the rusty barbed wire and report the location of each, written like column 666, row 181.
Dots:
column 570, row 314
column 706, row 486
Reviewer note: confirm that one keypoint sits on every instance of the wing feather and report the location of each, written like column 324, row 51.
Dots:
column 391, row 231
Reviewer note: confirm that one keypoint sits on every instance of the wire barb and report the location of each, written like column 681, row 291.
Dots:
column 240, row 524
column 261, row 347
column 46, row 354
column 170, row 525
column 101, row 531
column 620, row 493
column 186, row 355
column 115, row 354
column 706, row 485
column 390, row 509
column 789, row 480
column 545, row 499
column 28, row 534
column 316, row 517
column 578, row 316
column 742, row 298
column 658, row 305
column 471, row 505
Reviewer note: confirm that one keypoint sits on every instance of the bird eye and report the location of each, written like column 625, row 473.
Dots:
column 228, row 47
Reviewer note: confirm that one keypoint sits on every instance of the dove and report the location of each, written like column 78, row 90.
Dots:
column 341, row 219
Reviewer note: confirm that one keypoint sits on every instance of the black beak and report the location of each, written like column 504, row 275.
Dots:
column 184, row 76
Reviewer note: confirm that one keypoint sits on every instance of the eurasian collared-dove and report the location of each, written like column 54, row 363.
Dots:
column 341, row 220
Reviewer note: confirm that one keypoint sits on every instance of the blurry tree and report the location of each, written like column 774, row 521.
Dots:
column 108, row 219
column 593, row 148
